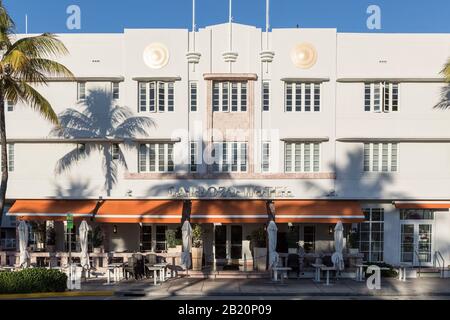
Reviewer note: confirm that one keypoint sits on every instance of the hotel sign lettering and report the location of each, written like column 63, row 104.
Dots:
column 220, row 192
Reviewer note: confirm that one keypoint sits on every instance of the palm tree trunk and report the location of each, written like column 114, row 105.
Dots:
column 4, row 155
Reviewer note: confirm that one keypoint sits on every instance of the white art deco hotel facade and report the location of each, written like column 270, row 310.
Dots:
column 306, row 126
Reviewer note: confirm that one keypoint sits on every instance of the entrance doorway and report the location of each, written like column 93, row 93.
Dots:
column 227, row 244
column 416, row 245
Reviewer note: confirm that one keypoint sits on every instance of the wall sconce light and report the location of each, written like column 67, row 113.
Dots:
column 290, row 225
column 330, row 230
column 115, row 229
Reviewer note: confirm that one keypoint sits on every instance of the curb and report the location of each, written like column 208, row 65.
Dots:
column 72, row 294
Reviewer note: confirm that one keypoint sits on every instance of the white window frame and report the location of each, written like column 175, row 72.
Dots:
column 115, row 90
column 296, row 162
column 11, row 158
column 9, row 106
column 384, row 88
column 229, row 159
column 298, row 96
column 81, row 90
column 379, row 155
column 265, row 157
column 370, row 222
column 265, row 96
column 115, row 151
column 154, row 162
column 193, row 156
column 149, row 96
column 193, row 96
column 227, row 93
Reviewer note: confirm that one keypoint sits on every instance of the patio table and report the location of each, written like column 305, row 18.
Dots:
column 317, row 268
column 328, row 269
column 360, row 272
column 402, row 272
column 163, row 268
column 283, row 272
column 115, row 268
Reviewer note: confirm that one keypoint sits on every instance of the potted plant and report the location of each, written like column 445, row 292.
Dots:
column 97, row 240
column 258, row 243
column 197, row 247
column 353, row 242
column 292, row 240
column 51, row 238
column 173, row 244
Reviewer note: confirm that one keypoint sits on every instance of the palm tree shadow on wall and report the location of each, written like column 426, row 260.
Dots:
column 353, row 183
column 100, row 118
column 444, row 101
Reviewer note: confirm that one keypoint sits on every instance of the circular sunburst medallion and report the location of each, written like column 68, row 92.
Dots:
column 304, row 55
column 156, row 55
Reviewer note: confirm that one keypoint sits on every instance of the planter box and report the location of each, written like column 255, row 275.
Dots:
column 177, row 249
column 98, row 250
column 293, row 250
column 260, row 259
column 197, row 255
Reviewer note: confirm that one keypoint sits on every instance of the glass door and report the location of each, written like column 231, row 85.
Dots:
column 417, row 243
column 236, row 242
column 220, row 242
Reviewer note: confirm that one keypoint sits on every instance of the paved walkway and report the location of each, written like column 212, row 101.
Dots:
column 188, row 287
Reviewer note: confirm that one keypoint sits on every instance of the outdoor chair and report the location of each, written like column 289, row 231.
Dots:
column 140, row 265
column 149, row 261
column 130, row 268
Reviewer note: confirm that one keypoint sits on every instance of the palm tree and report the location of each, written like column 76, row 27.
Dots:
column 24, row 62
column 99, row 119
column 444, row 102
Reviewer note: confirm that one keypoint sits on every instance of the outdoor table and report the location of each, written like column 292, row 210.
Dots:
column 173, row 271
column 328, row 269
column 283, row 272
column 115, row 269
column 162, row 273
column 318, row 268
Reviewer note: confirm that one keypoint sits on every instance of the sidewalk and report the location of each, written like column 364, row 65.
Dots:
column 189, row 287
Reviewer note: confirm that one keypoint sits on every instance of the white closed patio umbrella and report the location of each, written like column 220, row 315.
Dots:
column 272, row 232
column 337, row 257
column 187, row 244
column 23, row 244
column 83, row 233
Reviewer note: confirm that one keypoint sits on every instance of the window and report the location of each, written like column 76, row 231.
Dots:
column 194, row 157
column 416, row 214
column 146, row 238
column 230, row 157
column 161, row 243
column 381, row 97
column 302, row 97
column 115, row 90
column 266, row 96
column 156, row 96
column 380, row 157
column 115, row 151
column 9, row 106
column 10, row 152
column 193, row 96
column 156, row 157
column 309, row 239
column 302, row 157
column 81, row 91
column 371, row 235
column 265, row 161
column 229, row 96
column 81, row 150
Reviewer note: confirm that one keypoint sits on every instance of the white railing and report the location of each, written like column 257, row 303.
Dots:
column 439, row 260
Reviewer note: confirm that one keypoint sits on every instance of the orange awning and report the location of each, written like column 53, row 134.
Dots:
column 110, row 211
column 229, row 211
column 422, row 204
column 318, row 211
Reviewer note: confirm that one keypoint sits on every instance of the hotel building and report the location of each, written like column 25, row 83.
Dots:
column 306, row 126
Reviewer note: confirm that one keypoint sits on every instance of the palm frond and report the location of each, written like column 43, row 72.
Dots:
column 37, row 102
column 446, row 71
column 42, row 46
column 6, row 27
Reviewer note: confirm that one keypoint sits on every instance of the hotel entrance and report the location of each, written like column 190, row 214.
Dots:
column 228, row 244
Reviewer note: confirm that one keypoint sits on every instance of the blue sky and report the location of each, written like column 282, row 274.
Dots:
column 345, row 15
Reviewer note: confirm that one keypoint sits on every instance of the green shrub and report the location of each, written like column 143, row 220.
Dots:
column 33, row 281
